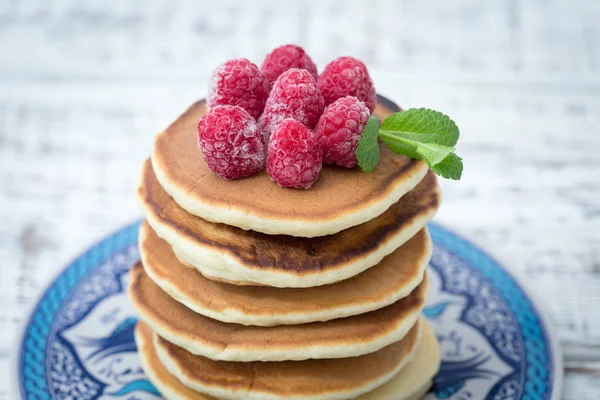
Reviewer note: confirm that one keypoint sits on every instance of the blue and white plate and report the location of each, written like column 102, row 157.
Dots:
column 78, row 343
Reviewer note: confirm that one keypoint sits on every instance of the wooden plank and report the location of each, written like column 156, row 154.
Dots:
column 85, row 86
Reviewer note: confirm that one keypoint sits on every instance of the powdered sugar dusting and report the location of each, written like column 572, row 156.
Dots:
column 213, row 85
column 239, row 82
column 294, row 95
column 295, row 158
column 284, row 58
column 231, row 142
column 339, row 130
column 347, row 76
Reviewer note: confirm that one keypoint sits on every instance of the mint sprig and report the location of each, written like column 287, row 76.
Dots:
column 367, row 152
column 421, row 134
column 450, row 168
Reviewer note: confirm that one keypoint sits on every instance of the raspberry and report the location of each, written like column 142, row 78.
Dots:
column 339, row 130
column 239, row 82
column 231, row 142
column 347, row 76
column 294, row 157
column 285, row 57
column 294, row 95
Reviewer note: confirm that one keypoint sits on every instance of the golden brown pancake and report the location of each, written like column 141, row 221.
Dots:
column 341, row 197
column 344, row 337
column 168, row 386
column 308, row 379
column 415, row 379
column 393, row 278
column 411, row 383
column 232, row 254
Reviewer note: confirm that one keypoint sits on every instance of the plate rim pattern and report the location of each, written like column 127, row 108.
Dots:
column 28, row 360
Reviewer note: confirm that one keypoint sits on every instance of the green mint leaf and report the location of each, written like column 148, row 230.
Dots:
column 422, row 134
column 423, row 125
column 433, row 154
column 450, row 168
column 397, row 145
column 367, row 152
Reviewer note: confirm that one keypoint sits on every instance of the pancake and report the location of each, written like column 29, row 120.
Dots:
column 392, row 279
column 414, row 380
column 309, row 379
column 419, row 394
column 344, row 337
column 168, row 386
column 228, row 253
column 341, row 197
column 417, row 373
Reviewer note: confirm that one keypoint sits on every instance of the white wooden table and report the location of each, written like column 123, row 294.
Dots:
column 84, row 87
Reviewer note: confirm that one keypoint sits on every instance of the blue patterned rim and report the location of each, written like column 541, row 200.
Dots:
column 542, row 374
column 31, row 360
column 536, row 375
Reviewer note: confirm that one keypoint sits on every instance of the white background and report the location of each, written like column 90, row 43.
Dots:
column 84, row 86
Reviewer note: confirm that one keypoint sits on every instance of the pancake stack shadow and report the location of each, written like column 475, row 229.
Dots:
column 246, row 290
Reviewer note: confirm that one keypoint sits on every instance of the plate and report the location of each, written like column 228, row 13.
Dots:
column 77, row 342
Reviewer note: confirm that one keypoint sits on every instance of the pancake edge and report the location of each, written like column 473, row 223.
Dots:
column 429, row 358
column 223, row 265
column 417, row 395
column 308, row 351
column 232, row 315
column 273, row 226
column 168, row 392
column 172, row 393
column 179, row 374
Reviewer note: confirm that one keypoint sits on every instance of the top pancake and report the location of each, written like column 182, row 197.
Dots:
column 340, row 198
column 237, row 256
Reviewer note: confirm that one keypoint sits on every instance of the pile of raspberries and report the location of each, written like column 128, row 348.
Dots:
column 285, row 116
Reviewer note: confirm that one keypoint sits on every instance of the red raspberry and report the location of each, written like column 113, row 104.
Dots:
column 239, row 82
column 347, row 76
column 231, row 142
column 285, row 57
column 294, row 158
column 295, row 95
column 339, row 130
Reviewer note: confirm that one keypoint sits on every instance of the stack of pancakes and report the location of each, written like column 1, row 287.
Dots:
column 247, row 290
